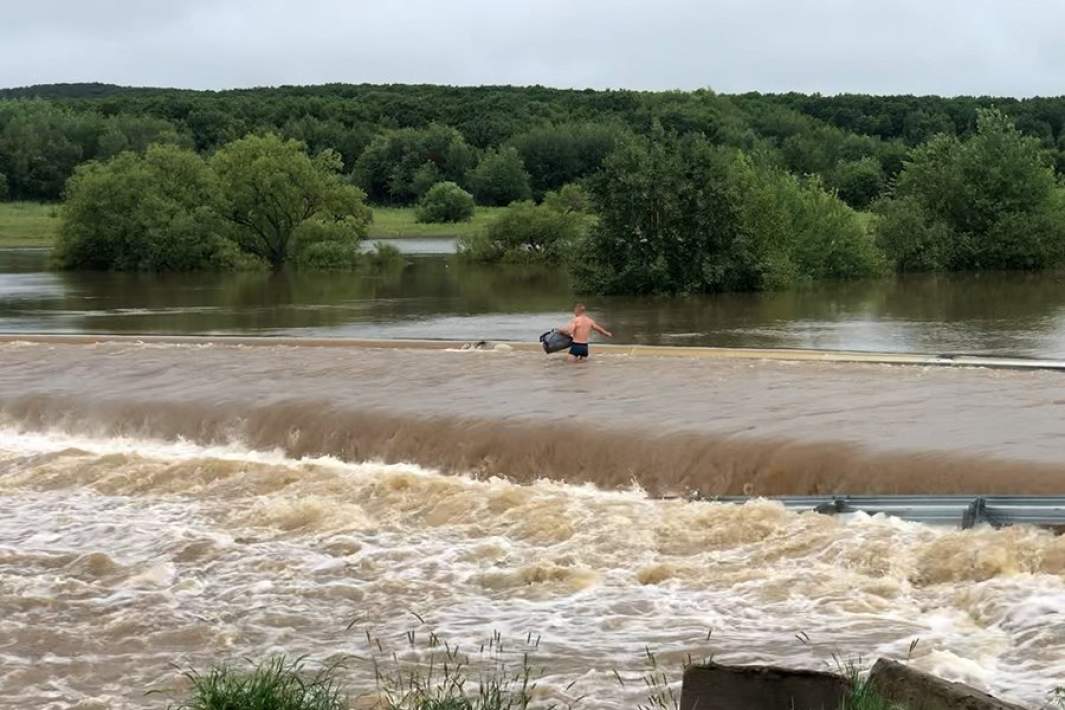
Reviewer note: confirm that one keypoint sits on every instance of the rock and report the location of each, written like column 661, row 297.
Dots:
column 915, row 690
column 717, row 687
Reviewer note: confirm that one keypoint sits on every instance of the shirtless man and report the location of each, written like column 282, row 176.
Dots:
column 580, row 329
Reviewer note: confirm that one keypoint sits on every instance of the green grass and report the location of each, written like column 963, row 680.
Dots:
column 274, row 684
column 27, row 224
column 30, row 224
column 398, row 222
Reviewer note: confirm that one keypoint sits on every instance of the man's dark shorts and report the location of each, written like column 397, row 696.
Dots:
column 579, row 349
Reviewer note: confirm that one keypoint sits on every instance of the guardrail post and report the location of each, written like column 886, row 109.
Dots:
column 975, row 514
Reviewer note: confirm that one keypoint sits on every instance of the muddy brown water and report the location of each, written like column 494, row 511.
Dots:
column 181, row 504
column 187, row 503
column 440, row 297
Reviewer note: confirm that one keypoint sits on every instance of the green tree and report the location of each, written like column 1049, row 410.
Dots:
column 38, row 151
column 393, row 167
column 557, row 154
column 993, row 199
column 500, row 178
column 4, row 192
column 678, row 215
column 270, row 187
column 859, row 182
column 145, row 213
column 445, row 202
column 526, row 232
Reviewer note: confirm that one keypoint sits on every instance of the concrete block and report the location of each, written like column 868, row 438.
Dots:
column 915, row 690
column 717, row 687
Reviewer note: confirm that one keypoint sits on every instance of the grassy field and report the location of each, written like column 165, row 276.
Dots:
column 398, row 222
column 27, row 224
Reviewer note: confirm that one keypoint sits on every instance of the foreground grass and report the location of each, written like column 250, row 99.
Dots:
column 27, row 224
column 31, row 224
column 399, row 222
column 274, row 684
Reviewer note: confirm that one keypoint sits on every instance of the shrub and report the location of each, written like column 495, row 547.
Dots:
column 4, row 192
column 145, row 213
column 571, row 197
column 330, row 246
column 385, row 256
column 525, row 232
column 445, row 202
column 500, row 178
column 910, row 237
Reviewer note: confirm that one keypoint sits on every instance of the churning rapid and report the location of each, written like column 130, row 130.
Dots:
column 184, row 504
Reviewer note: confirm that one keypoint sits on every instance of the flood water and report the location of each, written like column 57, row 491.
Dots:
column 187, row 503
column 166, row 504
column 437, row 296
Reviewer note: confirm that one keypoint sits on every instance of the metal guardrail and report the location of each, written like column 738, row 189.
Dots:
column 962, row 510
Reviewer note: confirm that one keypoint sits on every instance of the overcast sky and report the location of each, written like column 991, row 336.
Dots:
column 1002, row 47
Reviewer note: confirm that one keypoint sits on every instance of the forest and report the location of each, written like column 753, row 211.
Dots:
column 904, row 182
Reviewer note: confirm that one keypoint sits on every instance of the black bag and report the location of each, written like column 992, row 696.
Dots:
column 555, row 340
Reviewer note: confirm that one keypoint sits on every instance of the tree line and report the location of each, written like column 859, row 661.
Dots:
column 676, row 192
column 855, row 143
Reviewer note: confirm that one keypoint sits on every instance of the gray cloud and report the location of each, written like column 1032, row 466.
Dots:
column 872, row 46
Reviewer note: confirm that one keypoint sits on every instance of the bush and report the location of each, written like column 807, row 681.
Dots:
column 569, row 198
column 991, row 202
column 327, row 246
column 678, row 215
column 910, row 238
column 445, row 202
column 4, row 192
column 500, row 178
column 525, row 232
column 169, row 210
column 145, row 213
column 385, row 256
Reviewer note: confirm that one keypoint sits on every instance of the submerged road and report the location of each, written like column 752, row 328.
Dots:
column 713, row 425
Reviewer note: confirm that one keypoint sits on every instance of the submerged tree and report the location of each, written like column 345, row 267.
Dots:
column 145, row 213
column 679, row 215
column 526, row 232
column 257, row 202
column 269, row 188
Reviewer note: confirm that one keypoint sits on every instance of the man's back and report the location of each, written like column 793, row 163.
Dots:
column 581, row 328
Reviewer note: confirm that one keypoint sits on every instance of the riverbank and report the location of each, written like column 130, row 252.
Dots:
column 33, row 224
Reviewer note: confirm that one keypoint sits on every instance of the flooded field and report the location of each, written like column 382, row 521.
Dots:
column 436, row 296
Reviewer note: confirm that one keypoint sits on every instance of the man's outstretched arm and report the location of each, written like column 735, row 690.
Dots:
column 601, row 330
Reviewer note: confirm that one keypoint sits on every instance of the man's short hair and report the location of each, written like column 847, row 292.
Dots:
column 579, row 308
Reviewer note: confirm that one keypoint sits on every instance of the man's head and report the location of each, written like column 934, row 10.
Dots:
column 579, row 309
